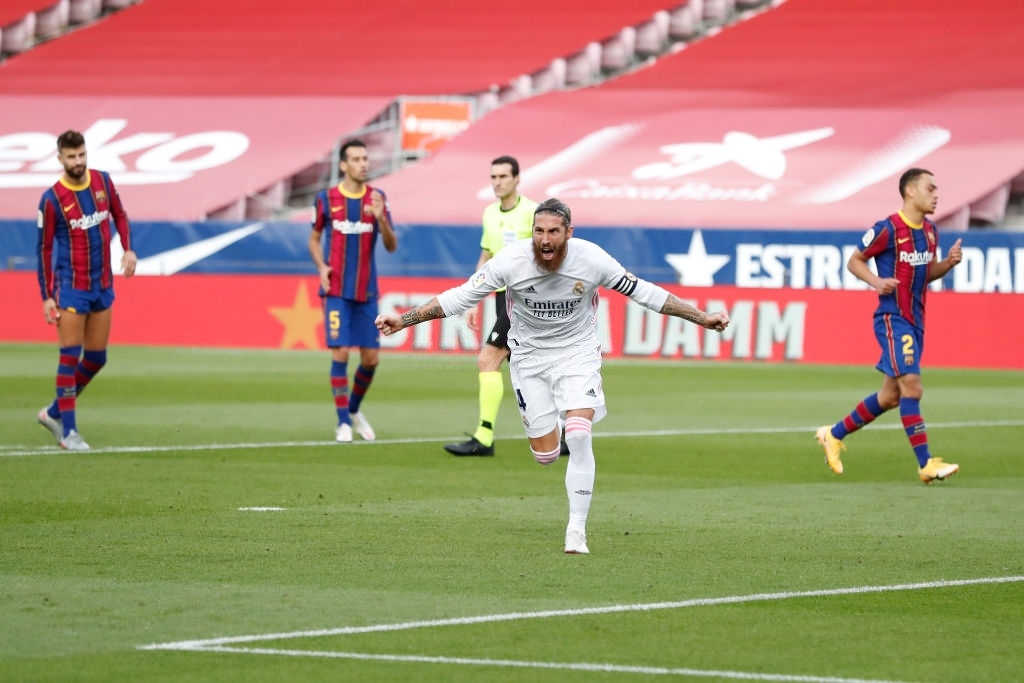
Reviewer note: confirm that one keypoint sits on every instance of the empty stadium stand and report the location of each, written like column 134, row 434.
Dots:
column 27, row 23
column 177, row 81
column 175, row 51
column 19, row 20
column 864, row 55
column 796, row 118
column 248, row 48
column 261, row 49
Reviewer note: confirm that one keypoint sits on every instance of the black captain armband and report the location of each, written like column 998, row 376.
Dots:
column 626, row 284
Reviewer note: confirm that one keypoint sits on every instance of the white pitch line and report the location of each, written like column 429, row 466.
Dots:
column 566, row 666
column 23, row 450
column 220, row 644
column 609, row 609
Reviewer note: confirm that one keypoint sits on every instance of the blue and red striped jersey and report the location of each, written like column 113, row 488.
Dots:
column 350, row 243
column 904, row 252
column 76, row 223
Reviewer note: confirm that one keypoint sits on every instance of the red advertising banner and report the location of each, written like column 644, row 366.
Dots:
column 170, row 158
column 768, row 325
column 669, row 159
column 428, row 124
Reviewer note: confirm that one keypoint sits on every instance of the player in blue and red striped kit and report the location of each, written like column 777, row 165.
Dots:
column 353, row 215
column 76, row 278
column 904, row 248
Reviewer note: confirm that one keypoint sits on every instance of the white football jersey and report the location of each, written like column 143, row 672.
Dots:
column 551, row 310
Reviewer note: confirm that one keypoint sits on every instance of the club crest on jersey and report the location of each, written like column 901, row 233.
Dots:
column 101, row 197
column 577, row 288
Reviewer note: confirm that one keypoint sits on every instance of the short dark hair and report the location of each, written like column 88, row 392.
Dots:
column 909, row 177
column 70, row 139
column 557, row 207
column 511, row 161
column 355, row 142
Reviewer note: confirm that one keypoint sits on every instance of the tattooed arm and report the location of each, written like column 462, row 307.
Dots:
column 656, row 298
column 394, row 322
column 674, row 306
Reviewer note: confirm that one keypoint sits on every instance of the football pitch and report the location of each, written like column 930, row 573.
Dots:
column 217, row 533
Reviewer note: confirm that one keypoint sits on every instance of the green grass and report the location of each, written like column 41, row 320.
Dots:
column 709, row 485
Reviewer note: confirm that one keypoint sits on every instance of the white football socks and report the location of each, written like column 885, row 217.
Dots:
column 579, row 473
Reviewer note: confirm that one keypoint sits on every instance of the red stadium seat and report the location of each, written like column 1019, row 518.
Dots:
column 1017, row 185
column 550, row 78
column 235, row 211
column 486, row 101
column 718, row 11
column 991, row 209
column 84, row 11
column 584, row 67
column 652, row 36
column 619, row 52
column 519, row 89
column 266, row 204
column 18, row 36
column 684, row 22
column 958, row 220
column 52, row 21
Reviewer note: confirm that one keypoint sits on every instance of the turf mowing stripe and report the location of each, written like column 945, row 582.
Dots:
column 574, row 666
column 22, row 450
column 609, row 609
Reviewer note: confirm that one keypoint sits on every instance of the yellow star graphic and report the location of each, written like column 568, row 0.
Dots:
column 303, row 323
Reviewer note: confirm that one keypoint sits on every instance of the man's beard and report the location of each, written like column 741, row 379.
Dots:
column 76, row 172
column 555, row 263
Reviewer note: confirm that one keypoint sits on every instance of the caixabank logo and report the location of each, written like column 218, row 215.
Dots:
column 29, row 159
column 742, row 167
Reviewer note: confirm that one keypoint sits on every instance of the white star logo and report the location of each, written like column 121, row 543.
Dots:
column 696, row 268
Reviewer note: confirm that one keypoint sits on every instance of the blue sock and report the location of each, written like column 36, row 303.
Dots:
column 865, row 413
column 913, row 425
column 339, row 387
column 66, row 393
column 360, row 384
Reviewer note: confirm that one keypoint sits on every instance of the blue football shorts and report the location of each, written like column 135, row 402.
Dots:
column 902, row 345
column 350, row 323
column 84, row 301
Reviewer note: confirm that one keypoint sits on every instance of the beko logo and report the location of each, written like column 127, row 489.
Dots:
column 29, row 159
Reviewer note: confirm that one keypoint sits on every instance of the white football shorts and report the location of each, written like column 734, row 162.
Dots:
column 548, row 384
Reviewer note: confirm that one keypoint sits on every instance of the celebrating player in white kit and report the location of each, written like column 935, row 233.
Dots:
column 552, row 286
